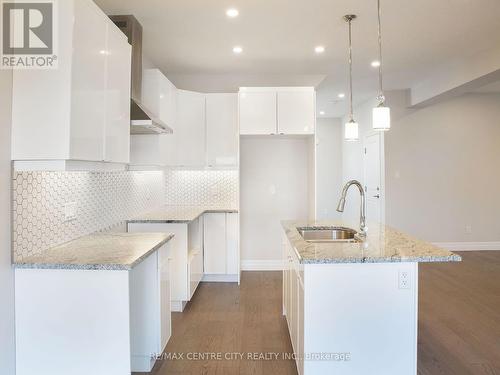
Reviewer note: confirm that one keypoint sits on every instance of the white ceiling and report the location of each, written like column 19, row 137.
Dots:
column 191, row 41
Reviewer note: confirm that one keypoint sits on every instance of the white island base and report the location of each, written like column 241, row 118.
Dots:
column 352, row 319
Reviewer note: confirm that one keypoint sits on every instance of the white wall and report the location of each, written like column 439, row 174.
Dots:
column 441, row 167
column 274, row 186
column 442, row 170
column 7, row 351
column 329, row 167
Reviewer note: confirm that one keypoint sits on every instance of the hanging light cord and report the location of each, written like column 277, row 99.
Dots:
column 351, row 111
column 381, row 97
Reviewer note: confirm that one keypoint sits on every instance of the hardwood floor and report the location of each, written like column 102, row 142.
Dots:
column 224, row 318
column 459, row 316
column 459, row 323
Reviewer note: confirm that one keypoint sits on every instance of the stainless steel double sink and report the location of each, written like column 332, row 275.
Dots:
column 328, row 234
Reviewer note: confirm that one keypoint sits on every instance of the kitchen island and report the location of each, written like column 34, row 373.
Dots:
column 352, row 305
column 99, row 305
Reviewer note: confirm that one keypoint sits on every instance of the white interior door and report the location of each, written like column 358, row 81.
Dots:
column 373, row 177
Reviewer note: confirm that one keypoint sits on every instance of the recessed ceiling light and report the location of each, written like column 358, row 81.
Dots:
column 376, row 63
column 321, row 113
column 237, row 49
column 231, row 13
column 341, row 95
column 319, row 49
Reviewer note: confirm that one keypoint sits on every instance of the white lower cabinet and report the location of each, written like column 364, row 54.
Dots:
column 195, row 272
column 293, row 302
column 150, row 315
column 221, row 247
column 165, row 273
column 79, row 322
column 186, row 257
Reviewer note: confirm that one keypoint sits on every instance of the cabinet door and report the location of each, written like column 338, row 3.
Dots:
column 164, row 263
column 117, row 128
column 300, row 329
column 150, row 96
column 296, row 112
column 293, row 309
column 285, row 277
column 168, row 102
column 232, row 244
column 189, row 136
column 222, row 129
column 88, row 99
column 214, row 245
column 257, row 113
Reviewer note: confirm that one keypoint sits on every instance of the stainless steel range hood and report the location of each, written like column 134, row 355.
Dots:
column 142, row 121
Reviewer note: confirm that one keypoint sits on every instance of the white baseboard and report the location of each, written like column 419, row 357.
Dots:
column 220, row 278
column 468, row 246
column 262, row 265
column 177, row 306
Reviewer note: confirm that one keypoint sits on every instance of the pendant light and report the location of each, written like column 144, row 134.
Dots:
column 351, row 127
column 381, row 113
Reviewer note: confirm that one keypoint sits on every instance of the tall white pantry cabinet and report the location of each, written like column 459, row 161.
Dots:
column 81, row 110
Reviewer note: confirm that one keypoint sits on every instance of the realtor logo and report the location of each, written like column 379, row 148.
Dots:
column 28, row 34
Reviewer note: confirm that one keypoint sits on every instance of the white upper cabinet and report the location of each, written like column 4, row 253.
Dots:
column 159, row 95
column 257, row 112
column 278, row 110
column 188, row 139
column 88, row 83
column 296, row 111
column 205, row 132
column 79, row 111
column 222, row 129
column 117, row 128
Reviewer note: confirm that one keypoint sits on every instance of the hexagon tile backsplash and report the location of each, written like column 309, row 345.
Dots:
column 209, row 188
column 104, row 200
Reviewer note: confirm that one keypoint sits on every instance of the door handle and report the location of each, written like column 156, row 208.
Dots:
column 376, row 196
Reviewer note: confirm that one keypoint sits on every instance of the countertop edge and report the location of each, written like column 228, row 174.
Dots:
column 92, row 267
column 180, row 221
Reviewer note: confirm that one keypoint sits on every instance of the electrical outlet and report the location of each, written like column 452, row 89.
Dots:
column 70, row 211
column 468, row 229
column 404, row 280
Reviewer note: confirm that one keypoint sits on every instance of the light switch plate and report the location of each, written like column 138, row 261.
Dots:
column 70, row 211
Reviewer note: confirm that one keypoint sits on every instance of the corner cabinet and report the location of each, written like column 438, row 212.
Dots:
column 205, row 134
column 81, row 109
column 280, row 110
column 222, row 129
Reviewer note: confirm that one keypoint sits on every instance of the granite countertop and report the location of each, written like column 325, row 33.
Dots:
column 382, row 244
column 177, row 214
column 109, row 251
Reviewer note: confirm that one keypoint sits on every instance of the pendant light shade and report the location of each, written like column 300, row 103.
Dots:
column 351, row 132
column 381, row 118
column 381, row 113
